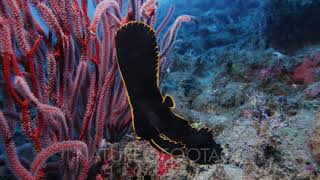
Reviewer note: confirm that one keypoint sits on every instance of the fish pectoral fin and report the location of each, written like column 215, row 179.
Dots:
column 168, row 146
column 168, row 101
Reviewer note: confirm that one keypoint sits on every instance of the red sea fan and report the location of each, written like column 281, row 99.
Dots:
column 63, row 87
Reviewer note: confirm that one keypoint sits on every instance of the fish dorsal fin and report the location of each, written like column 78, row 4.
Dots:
column 138, row 58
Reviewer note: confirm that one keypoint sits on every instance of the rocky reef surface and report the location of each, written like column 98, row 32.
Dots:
column 249, row 70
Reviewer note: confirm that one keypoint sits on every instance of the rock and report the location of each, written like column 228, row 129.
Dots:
column 292, row 24
column 315, row 141
column 233, row 172
column 232, row 95
column 219, row 39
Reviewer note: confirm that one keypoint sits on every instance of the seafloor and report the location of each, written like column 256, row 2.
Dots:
column 249, row 70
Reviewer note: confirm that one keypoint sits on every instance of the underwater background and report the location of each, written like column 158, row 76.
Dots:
column 245, row 69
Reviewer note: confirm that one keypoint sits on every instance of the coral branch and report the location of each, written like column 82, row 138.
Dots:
column 102, row 6
column 23, row 88
column 148, row 10
column 165, row 20
column 49, row 17
column 104, row 94
column 79, row 78
column 59, row 147
column 134, row 9
column 10, row 149
column 18, row 27
column 51, row 72
column 90, row 108
column 84, row 5
column 5, row 37
column 173, row 32
column 85, row 169
column 6, row 60
column 35, row 46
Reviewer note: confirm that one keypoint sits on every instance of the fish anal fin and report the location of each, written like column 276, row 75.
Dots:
column 168, row 146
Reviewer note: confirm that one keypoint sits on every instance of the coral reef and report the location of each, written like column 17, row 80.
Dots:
column 247, row 69
column 260, row 98
column 260, row 115
column 315, row 141
column 61, row 93
column 137, row 159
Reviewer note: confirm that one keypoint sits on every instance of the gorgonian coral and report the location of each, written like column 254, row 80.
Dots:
column 60, row 82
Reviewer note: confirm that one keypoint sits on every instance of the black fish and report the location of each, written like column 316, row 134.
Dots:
column 152, row 119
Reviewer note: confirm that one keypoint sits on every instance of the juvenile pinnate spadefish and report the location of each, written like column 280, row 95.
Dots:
column 63, row 88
